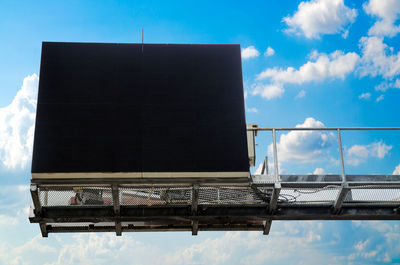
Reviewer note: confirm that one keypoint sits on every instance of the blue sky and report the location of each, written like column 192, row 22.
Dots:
column 306, row 63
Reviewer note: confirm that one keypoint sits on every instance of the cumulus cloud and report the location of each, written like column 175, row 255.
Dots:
column 250, row 52
column 304, row 146
column 268, row 91
column 269, row 51
column 378, row 59
column 365, row 96
column 387, row 13
column 318, row 17
column 386, row 85
column 397, row 170
column 360, row 153
column 17, row 126
column 320, row 67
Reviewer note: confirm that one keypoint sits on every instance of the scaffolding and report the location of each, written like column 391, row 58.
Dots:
column 214, row 204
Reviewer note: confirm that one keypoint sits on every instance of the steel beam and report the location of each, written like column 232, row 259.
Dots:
column 274, row 199
column 267, row 227
column 43, row 229
column 116, row 205
column 35, row 199
column 195, row 201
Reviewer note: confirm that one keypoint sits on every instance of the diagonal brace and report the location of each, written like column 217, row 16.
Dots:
column 337, row 206
column 274, row 199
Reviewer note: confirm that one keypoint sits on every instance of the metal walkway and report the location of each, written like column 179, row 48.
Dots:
column 136, row 205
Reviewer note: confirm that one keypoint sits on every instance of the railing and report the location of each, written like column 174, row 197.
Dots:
column 320, row 183
column 120, row 205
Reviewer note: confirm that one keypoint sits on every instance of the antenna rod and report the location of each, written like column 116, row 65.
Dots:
column 142, row 35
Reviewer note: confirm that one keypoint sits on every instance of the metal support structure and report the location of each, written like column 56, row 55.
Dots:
column 194, row 209
column 117, row 209
column 344, row 187
column 267, row 227
column 277, row 186
column 264, row 170
column 43, row 229
column 222, row 204
column 35, row 199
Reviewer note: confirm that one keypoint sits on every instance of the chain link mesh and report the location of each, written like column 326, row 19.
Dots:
column 75, row 196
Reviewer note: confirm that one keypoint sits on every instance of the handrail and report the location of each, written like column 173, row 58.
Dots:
column 326, row 129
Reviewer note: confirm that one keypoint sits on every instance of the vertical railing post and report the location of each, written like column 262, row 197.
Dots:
column 275, row 155
column 344, row 189
column 277, row 185
column 341, row 155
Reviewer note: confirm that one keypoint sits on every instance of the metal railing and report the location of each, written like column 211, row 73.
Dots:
column 215, row 204
column 278, row 182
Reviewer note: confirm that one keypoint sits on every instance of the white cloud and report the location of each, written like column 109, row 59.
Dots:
column 304, row 146
column 317, row 17
column 387, row 12
column 378, row 59
column 319, row 171
column 17, row 122
column 365, row 96
column 396, row 170
column 301, row 94
column 250, row 52
column 208, row 248
column 360, row 246
column 359, row 153
column 269, row 51
column 6, row 220
column 321, row 67
column 386, row 85
column 34, row 244
column 380, row 98
column 254, row 110
column 268, row 91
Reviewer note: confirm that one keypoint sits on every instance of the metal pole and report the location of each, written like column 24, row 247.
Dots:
column 344, row 189
column 326, row 129
column 275, row 155
column 341, row 155
column 277, row 185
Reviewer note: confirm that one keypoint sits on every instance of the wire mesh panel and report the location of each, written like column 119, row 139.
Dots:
column 155, row 195
column 231, row 195
column 75, row 196
column 309, row 195
column 374, row 194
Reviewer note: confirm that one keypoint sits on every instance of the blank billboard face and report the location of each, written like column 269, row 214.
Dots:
column 133, row 108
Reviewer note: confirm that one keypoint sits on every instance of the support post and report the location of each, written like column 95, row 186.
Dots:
column 264, row 170
column 267, row 227
column 195, row 201
column 117, row 209
column 36, row 200
column 273, row 204
column 43, row 229
column 337, row 206
column 275, row 156
column 274, row 199
column 277, row 185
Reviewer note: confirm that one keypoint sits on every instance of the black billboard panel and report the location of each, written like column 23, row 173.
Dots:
column 140, row 108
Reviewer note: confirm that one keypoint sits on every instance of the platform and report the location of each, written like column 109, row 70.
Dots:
column 136, row 207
